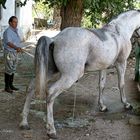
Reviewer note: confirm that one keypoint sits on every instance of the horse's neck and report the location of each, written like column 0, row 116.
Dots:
column 127, row 26
column 130, row 27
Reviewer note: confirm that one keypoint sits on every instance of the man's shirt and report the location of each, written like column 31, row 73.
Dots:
column 11, row 35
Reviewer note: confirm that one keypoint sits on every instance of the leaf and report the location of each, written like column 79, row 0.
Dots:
column 65, row 2
column 2, row 2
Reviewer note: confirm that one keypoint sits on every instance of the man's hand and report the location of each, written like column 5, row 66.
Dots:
column 18, row 49
column 11, row 45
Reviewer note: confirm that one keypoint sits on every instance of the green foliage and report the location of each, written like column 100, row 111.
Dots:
column 101, row 11
column 49, row 2
column 86, row 21
column 97, row 12
column 19, row 3
column 41, row 10
column 137, row 4
column 52, row 3
column 2, row 2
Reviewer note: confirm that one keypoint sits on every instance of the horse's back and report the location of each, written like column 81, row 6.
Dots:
column 75, row 47
column 72, row 35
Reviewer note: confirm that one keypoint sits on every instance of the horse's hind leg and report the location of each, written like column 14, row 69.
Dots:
column 102, row 80
column 62, row 84
column 25, row 112
column 121, row 67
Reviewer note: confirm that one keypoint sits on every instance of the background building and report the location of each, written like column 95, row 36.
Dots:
column 24, row 15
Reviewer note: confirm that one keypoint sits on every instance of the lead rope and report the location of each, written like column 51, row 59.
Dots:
column 39, row 103
column 27, row 62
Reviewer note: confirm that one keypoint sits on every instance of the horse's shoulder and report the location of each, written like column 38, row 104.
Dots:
column 100, row 33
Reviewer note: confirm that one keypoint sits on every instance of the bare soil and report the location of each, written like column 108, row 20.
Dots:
column 76, row 112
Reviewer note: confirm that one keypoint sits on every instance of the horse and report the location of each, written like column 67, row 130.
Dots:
column 76, row 50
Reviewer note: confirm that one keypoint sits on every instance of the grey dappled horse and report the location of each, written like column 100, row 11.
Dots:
column 76, row 50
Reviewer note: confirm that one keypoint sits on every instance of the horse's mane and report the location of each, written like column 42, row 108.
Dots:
column 113, row 25
column 123, row 15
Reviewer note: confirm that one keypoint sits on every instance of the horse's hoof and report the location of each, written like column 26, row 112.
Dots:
column 52, row 136
column 128, row 107
column 24, row 127
column 103, row 109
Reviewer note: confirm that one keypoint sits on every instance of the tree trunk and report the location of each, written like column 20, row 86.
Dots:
column 71, row 14
column 56, row 18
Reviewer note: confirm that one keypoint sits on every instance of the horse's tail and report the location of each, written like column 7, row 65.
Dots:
column 41, row 66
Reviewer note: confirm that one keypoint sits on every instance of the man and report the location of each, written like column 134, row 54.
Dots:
column 11, row 43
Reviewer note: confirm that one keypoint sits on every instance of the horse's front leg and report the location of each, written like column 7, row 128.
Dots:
column 25, row 112
column 102, row 80
column 121, row 67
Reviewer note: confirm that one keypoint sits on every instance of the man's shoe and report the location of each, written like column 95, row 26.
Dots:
column 11, row 83
column 7, row 83
column 9, row 90
column 13, row 88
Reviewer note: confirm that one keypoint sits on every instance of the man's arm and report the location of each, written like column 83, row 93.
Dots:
column 11, row 45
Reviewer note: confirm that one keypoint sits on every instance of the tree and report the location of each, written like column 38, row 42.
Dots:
column 102, row 11
column 71, row 13
column 98, row 11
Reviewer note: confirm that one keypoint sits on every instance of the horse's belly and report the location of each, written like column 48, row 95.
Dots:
column 102, row 58
column 96, row 66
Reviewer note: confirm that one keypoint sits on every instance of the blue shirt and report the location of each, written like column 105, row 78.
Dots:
column 11, row 35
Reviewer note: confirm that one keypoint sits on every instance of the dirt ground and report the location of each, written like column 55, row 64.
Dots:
column 76, row 112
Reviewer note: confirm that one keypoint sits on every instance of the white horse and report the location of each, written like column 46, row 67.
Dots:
column 76, row 50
